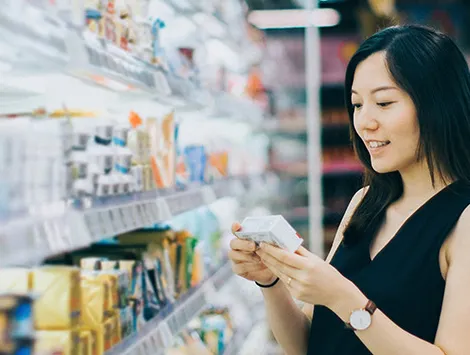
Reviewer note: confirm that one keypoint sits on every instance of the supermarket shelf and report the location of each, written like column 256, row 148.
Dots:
column 65, row 49
column 54, row 229
column 158, row 333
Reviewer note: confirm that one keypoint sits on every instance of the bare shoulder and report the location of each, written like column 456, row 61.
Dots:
column 356, row 199
column 458, row 243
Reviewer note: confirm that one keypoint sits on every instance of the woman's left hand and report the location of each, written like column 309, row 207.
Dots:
column 309, row 278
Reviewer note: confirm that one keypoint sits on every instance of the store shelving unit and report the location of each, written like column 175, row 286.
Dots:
column 60, row 46
column 56, row 229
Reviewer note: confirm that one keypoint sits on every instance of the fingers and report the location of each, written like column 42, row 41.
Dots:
column 240, row 257
column 280, row 269
column 303, row 252
column 245, row 268
column 243, row 245
column 236, row 227
column 282, row 256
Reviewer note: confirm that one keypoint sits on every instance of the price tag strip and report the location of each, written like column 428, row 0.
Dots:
column 185, row 201
column 49, row 231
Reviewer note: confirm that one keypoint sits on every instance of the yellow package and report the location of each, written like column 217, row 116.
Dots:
column 116, row 329
column 17, row 280
column 100, row 339
column 86, row 342
column 91, row 263
column 59, row 302
column 108, row 265
column 111, row 279
column 108, row 336
column 182, row 267
column 64, row 342
column 92, row 339
column 93, row 301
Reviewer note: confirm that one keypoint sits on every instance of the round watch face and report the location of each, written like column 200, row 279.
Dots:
column 360, row 319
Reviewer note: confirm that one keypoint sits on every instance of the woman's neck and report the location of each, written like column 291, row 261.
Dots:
column 417, row 184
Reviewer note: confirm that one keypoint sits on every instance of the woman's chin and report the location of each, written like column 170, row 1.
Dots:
column 381, row 168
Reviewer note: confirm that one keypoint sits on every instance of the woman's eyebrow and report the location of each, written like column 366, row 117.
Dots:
column 380, row 88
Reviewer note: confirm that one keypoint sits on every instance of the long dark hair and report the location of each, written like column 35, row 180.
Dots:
column 429, row 66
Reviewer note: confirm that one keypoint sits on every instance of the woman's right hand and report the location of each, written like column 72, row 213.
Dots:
column 245, row 262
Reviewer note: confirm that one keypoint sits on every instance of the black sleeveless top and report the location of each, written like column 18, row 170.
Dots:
column 404, row 279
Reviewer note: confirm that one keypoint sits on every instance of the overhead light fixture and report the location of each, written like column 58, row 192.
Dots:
column 278, row 19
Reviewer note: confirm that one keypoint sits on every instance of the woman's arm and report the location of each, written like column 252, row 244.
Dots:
column 289, row 324
column 384, row 337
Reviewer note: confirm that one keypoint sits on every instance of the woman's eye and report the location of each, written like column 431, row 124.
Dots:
column 384, row 104
column 356, row 106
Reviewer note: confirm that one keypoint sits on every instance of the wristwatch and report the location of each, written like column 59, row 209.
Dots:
column 361, row 319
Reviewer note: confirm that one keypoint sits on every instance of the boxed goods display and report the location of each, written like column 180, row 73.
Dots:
column 16, row 324
column 66, row 342
column 59, row 303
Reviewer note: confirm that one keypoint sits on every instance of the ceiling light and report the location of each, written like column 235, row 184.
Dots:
column 277, row 19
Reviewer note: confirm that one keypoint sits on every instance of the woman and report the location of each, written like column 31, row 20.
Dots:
column 397, row 279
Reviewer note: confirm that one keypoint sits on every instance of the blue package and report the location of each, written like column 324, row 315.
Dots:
column 196, row 162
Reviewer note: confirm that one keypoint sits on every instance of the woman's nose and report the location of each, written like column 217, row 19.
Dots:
column 366, row 119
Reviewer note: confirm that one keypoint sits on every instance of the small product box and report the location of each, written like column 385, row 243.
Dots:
column 270, row 229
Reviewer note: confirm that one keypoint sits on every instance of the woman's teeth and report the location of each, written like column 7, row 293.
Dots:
column 377, row 144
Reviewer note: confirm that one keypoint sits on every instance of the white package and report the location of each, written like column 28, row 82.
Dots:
column 270, row 229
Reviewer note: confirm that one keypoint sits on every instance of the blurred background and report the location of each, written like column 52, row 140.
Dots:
column 133, row 133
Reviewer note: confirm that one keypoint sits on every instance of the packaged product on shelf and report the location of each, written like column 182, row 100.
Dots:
column 118, row 279
column 86, row 342
column 148, row 179
column 152, row 304
column 135, row 272
column 166, row 269
column 112, row 329
column 94, row 17
column 126, row 321
column 95, row 295
column 162, row 150
column 92, row 263
column 16, row 280
column 110, row 28
column 217, row 163
column 143, row 33
column 155, row 277
column 66, row 342
column 159, row 253
column 16, row 318
column 157, row 49
column 104, row 335
column 196, row 161
column 122, row 159
column 59, row 301
column 191, row 154
column 184, row 258
column 181, row 172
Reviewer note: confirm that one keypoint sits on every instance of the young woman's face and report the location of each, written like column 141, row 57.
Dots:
column 384, row 117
